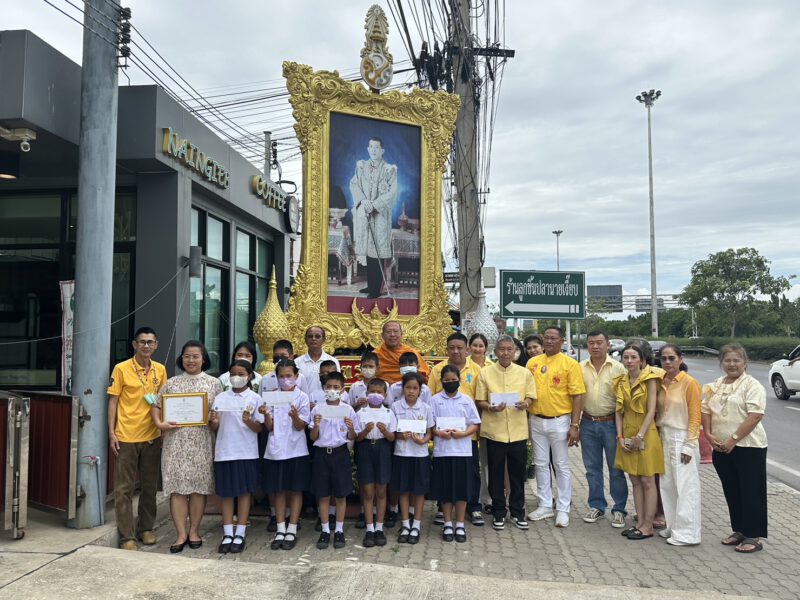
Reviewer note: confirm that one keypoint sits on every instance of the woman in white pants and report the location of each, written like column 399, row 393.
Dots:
column 678, row 422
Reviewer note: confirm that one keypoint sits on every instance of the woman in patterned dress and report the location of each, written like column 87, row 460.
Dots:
column 187, row 457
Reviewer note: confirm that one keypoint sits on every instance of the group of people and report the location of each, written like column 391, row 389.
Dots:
column 479, row 416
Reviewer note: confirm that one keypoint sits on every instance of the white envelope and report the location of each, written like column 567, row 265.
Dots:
column 457, row 423
column 226, row 403
column 413, row 425
column 333, row 411
column 375, row 415
column 277, row 398
column 496, row 399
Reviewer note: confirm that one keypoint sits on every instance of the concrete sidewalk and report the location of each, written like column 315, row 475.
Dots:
column 584, row 560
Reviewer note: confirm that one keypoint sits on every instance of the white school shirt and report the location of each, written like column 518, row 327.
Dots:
column 376, row 434
column 310, row 370
column 420, row 411
column 269, row 383
column 359, row 390
column 284, row 441
column 396, row 393
column 459, row 405
column 225, row 380
column 235, row 440
column 333, row 432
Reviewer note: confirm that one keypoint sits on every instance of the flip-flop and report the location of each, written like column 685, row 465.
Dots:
column 756, row 546
column 627, row 532
column 735, row 539
column 636, row 534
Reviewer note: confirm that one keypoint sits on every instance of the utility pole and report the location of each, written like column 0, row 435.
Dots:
column 470, row 239
column 648, row 98
column 94, row 255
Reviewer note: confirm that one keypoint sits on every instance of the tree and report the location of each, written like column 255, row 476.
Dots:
column 730, row 280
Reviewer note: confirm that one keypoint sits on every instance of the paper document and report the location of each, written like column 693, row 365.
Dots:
column 413, row 425
column 277, row 398
column 457, row 423
column 496, row 399
column 227, row 403
column 333, row 411
column 375, row 415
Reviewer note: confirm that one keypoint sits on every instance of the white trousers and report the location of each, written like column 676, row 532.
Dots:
column 551, row 435
column 680, row 488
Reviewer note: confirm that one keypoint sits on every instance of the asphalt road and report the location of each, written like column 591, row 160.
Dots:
column 781, row 420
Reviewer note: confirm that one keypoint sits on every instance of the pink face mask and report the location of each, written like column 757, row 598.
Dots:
column 375, row 400
column 287, row 383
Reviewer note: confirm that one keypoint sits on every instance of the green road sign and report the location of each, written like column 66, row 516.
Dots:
column 542, row 295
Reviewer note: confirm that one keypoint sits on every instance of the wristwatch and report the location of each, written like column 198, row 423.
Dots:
column 734, row 437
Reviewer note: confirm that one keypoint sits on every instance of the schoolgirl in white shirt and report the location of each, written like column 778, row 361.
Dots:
column 287, row 468
column 236, row 461
column 243, row 351
column 411, row 464
column 452, row 482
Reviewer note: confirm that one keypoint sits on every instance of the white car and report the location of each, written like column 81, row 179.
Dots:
column 569, row 350
column 784, row 375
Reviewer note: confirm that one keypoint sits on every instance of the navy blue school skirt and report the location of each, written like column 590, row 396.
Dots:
column 234, row 478
column 411, row 474
column 332, row 472
column 288, row 475
column 452, row 479
column 374, row 461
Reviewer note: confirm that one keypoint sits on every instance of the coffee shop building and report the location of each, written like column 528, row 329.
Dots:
column 178, row 185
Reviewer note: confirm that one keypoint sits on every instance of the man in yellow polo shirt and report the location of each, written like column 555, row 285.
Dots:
column 504, row 429
column 457, row 356
column 554, row 423
column 134, row 439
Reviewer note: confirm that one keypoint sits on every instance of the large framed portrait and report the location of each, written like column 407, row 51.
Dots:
column 372, row 192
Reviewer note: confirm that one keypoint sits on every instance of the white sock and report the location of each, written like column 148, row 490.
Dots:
column 394, row 508
column 326, row 528
column 417, row 524
column 282, row 527
column 448, row 524
column 292, row 528
column 339, row 527
column 240, row 530
column 378, row 526
column 371, row 527
column 460, row 524
column 227, row 530
column 406, row 524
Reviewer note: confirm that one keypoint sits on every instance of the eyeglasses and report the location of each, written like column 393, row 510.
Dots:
column 146, row 342
column 191, row 357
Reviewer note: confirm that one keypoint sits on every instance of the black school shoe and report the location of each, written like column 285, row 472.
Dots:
column 380, row 538
column 369, row 539
column 338, row 540
column 237, row 547
column 324, row 540
column 361, row 522
column 225, row 545
column 272, row 527
column 391, row 519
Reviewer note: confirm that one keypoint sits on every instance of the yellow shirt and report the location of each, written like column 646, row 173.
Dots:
column 600, row 399
column 469, row 378
column 730, row 403
column 679, row 407
column 510, row 425
column 487, row 362
column 558, row 378
column 129, row 384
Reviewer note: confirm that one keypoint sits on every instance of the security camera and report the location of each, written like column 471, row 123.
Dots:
column 25, row 146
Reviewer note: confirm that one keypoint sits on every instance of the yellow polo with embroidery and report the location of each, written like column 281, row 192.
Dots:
column 558, row 378
column 509, row 425
column 130, row 384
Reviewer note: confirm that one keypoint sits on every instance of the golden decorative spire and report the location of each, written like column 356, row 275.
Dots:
column 271, row 326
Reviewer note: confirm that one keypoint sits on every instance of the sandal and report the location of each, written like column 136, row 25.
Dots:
column 412, row 537
column 734, row 539
column 277, row 541
column 636, row 534
column 461, row 535
column 447, row 533
column 756, row 546
column 225, row 544
column 402, row 538
column 289, row 541
column 628, row 531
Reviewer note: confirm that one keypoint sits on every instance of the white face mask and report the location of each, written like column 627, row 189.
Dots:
column 408, row 369
column 368, row 373
column 332, row 395
column 238, row 381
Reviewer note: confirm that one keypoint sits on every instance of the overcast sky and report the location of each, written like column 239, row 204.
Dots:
column 570, row 148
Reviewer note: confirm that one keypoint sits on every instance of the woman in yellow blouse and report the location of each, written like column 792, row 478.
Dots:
column 679, row 424
column 639, row 453
column 732, row 408
column 478, row 345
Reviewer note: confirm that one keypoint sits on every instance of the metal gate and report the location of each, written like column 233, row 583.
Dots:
column 14, row 452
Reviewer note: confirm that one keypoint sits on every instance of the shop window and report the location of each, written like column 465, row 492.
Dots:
column 215, row 318
column 30, row 219
column 124, row 217
column 195, row 241
column 244, row 250
column 243, row 318
column 216, row 239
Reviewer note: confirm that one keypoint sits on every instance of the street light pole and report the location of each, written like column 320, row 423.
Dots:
column 648, row 98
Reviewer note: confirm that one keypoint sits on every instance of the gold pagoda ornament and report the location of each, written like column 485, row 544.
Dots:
column 376, row 62
column 271, row 326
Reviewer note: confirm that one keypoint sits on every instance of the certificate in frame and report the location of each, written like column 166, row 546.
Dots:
column 185, row 410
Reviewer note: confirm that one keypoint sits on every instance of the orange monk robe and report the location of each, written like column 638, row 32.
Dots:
column 389, row 368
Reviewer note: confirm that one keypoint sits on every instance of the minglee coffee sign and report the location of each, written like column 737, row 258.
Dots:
column 185, row 152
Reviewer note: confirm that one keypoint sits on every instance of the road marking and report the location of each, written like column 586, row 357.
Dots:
column 792, row 407
column 782, row 467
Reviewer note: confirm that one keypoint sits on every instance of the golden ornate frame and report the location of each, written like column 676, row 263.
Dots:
column 313, row 96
